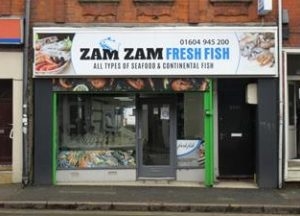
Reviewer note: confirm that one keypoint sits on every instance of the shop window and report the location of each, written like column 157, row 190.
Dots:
column 190, row 116
column 291, row 105
column 96, row 131
column 190, row 130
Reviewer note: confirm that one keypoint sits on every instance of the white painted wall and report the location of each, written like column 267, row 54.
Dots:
column 11, row 65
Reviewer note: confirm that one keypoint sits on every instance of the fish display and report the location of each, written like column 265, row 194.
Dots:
column 95, row 159
column 52, row 54
column 258, row 47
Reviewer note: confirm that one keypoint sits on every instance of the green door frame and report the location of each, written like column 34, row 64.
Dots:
column 208, row 136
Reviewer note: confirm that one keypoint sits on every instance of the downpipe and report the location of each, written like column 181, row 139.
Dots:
column 281, row 98
column 26, row 156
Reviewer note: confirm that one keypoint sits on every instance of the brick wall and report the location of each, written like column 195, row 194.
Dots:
column 11, row 7
column 293, row 7
column 128, row 11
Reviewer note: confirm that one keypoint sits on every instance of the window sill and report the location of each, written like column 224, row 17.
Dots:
column 229, row 1
column 99, row 1
column 153, row 1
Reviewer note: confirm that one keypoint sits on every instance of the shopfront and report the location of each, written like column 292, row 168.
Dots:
column 126, row 135
column 11, row 70
column 119, row 104
column 292, row 112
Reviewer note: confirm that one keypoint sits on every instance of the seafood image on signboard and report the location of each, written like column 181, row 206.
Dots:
column 52, row 53
column 258, row 47
column 132, row 84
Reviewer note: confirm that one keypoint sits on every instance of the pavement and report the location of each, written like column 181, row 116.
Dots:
column 152, row 198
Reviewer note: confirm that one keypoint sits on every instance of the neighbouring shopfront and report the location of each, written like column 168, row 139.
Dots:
column 129, row 104
column 292, row 112
column 11, row 69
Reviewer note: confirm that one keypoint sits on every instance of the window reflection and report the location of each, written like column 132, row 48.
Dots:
column 291, row 104
column 190, row 116
column 190, row 130
column 96, row 131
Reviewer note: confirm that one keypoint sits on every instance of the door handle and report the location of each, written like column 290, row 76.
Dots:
column 11, row 133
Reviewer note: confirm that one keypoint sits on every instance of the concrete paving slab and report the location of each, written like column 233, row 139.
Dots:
column 169, row 199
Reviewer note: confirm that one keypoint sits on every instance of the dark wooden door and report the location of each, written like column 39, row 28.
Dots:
column 5, row 122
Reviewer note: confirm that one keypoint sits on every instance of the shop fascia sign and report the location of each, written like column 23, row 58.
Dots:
column 264, row 7
column 155, row 51
column 11, row 30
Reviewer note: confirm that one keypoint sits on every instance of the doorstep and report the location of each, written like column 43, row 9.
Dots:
column 5, row 168
column 5, row 177
column 243, row 184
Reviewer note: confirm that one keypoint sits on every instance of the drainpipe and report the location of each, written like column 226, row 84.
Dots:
column 26, row 156
column 281, row 104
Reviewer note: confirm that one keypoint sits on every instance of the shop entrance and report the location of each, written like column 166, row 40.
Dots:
column 294, row 120
column 5, row 122
column 236, row 130
column 156, row 137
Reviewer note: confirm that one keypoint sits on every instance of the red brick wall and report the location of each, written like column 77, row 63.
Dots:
column 11, row 7
column 126, row 11
column 293, row 7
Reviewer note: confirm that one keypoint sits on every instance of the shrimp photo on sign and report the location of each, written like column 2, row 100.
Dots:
column 52, row 53
column 257, row 50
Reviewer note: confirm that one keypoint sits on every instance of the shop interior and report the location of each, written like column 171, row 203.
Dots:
column 98, row 131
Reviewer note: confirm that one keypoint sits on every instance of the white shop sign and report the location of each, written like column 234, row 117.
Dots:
column 155, row 51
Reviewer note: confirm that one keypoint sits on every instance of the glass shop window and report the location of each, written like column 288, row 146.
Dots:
column 291, row 104
column 96, row 131
column 190, row 130
column 190, row 116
